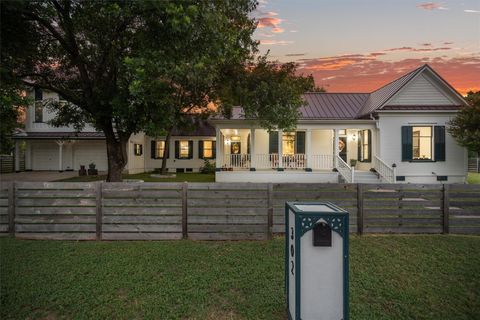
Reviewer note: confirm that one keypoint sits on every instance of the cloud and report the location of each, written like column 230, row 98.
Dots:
column 365, row 73
column 270, row 22
column 426, row 44
column 411, row 49
column 471, row 11
column 272, row 42
column 447, row 43
column 431, row 6
column 278, row 30
column 295, row 54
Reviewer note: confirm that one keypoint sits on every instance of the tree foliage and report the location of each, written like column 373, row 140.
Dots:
column 128, row 66
column 465, row 127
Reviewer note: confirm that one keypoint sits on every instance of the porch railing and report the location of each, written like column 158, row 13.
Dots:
column 321, row 161
column 265, row 161
column 384, row 170
column 294, row 161
column 347, row 172
column 238, row 161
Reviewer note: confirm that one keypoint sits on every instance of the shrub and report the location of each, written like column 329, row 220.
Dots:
column 208, row 167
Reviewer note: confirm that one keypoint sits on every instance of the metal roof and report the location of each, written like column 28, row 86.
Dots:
column 332, row 105
column 59, row 135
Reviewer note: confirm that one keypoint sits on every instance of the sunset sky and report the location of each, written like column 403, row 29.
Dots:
column 357, row 45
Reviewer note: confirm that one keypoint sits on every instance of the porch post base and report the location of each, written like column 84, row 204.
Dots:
column 308, row 169
column 218, row 169
column 253, row 169
column 60, row 170
column 280, row 169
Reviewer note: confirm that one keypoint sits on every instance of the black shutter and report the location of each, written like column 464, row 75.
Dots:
column 214, row 149
column 300, row 142
column 360, row 146
column 190, row 149
column 153, row 145
column 439, row 137
column 369, row 133
column 200, row 149
column 38, row 94
column 273, row 142
column 141, row 149
column 177, row 149
column 248, row 143
column 407, row 143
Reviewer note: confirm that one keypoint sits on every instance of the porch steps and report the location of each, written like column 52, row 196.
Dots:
column 366, row 177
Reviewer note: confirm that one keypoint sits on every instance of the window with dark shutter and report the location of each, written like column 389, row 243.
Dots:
column 439, row 144
column 177, row 149
column 153, row 144
column 406, row 143
column 273, row 142
column 300, row 142
column 190, row 149
column 200, row 150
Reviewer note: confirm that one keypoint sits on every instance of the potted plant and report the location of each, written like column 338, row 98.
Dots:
column 92, row 171
column 82, row 171
column 353, row 163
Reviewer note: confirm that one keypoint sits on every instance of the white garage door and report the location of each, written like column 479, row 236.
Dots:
column 45, row 156
column 88, row 152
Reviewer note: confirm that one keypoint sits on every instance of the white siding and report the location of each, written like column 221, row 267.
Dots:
column 136, row 163
column 454, row 165
column 423, row 90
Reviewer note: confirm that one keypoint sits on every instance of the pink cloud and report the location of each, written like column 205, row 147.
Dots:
column 275, row 42
column 268, row 22
column 431, row 6
column 411, row 49
column 365, row 73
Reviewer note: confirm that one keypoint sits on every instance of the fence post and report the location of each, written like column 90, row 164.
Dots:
column 446, row 208
column 360, row 215
column 11, row 209
column 270, row 211
column 184, row 211
column 98, row 210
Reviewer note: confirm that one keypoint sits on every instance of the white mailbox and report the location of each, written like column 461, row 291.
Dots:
column 316, row 261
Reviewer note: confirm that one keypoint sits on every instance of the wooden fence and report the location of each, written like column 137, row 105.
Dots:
column 224, row 211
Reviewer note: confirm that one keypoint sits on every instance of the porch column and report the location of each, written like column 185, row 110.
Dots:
column 60, row 155
column 17, row 156
column 280, row 150
column 218, row 149
column 308, row 150
column 335, row 147
column 253, row 164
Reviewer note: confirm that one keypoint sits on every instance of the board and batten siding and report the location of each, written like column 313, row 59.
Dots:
column 423, row 90
column 454, row 166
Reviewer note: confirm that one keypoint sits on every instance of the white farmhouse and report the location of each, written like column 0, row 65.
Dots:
column 396, row 134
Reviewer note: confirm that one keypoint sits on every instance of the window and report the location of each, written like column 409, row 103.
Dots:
column 159, row 149
column 207, row 149
column 38, row 111
column 364, row 145
column 137, row 149
column 422, row 143
column 184, row 149
column 288, row 143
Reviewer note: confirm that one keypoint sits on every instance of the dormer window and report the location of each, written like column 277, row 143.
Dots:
column 38, row 107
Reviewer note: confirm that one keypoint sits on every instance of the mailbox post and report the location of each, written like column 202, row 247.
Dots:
column 316, row 261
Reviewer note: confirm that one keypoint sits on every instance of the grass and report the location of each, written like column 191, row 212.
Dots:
column 473, row 178
column 180, row 177
column 392, row 277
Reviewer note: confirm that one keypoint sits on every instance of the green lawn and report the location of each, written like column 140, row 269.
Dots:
column 392, row 277
column 473, row 178
column 180, row 177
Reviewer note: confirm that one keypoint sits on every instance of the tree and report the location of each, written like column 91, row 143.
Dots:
column 131, row 66
column 465, row 127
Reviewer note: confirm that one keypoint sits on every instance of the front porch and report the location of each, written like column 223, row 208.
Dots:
column 309, row 154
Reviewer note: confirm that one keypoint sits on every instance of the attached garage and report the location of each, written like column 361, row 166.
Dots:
column 45, row 156
column 86, row 152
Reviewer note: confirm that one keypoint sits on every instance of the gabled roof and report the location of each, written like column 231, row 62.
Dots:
column 349, row 106
column 378, row 97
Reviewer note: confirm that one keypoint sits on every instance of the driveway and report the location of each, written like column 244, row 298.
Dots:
column 41, row 176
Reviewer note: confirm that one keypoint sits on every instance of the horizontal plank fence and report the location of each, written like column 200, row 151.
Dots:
column 224, row 211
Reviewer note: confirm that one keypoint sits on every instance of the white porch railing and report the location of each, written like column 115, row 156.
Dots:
column 384, row 170
column 237, row 161
column 265, row 161
column 345, row 170
column 294, row 161
column 321, row 162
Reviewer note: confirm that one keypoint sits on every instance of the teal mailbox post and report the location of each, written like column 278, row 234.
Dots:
column 316, row 261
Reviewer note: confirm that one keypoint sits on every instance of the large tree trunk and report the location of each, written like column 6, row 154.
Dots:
column 166, row 152
column 116, row 154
